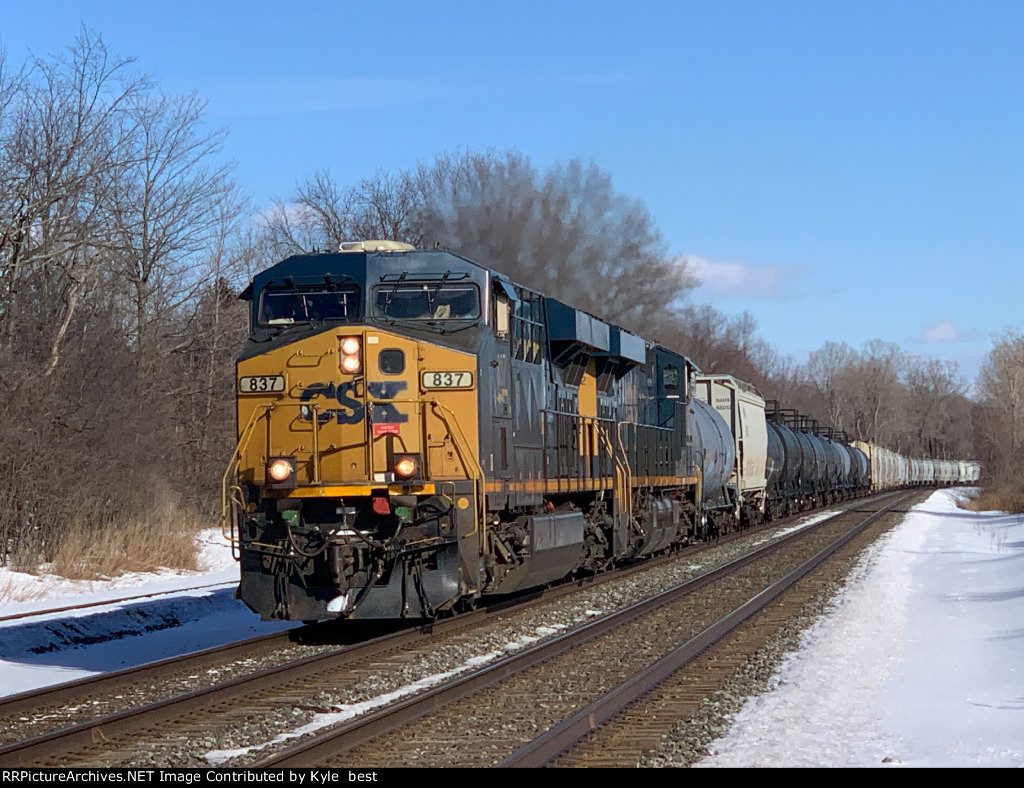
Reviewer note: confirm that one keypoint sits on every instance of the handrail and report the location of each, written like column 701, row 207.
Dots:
column 226, row 499
column 315, row 411
column 462, row 447
column 629, row 471
column 625, row 486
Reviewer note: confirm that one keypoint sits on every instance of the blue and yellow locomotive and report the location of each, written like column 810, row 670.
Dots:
column 415, row 431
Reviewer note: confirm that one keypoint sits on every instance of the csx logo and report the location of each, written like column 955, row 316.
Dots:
column 352, row 410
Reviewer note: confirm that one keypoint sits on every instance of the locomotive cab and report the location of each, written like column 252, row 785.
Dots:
column 356, row 471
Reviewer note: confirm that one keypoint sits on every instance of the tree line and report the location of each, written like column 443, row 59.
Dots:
column 124, row 243
column 119, row 248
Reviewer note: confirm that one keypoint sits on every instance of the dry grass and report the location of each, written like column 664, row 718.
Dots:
column 1001, row 499
column 11, row 592
column 166, row 539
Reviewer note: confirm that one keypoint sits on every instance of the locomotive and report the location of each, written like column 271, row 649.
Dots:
column 417, row 431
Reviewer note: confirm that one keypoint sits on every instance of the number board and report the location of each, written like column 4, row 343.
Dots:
column 446, row 380
column 261, row 384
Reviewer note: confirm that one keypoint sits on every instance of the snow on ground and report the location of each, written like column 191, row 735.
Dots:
column 58, row 647
column 345, row 713
column 920, row 662
column 23, row 592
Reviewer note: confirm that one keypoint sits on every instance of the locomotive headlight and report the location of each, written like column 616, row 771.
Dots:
column 406, row 466
column 280, row 470
column 351, row 359
column 350, row 364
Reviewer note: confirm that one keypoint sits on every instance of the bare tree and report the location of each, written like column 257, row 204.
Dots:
column 568, row 234
column 59, row 141
column 874, row 393
column 716, row 341
column 168, row 205
column 933, row 387
column 829, row 369
column 112, row 217
column 320, row 216
column 385, row 206
column 1001, row 389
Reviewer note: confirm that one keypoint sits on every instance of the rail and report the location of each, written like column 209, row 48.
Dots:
column 565, row 734
column 379, row 724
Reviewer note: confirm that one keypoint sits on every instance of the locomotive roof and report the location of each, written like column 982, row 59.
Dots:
column 315, row 268
column 361, row 267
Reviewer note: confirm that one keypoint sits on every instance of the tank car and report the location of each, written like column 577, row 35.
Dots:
column 786, row 464
column 715, row 456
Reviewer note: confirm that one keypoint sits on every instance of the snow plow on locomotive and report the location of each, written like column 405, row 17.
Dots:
column 416, row 431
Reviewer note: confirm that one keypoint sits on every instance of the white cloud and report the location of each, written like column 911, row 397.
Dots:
column 732, row 279
column 942, row 331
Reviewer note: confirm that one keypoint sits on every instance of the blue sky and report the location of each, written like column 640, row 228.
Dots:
column 844, row 171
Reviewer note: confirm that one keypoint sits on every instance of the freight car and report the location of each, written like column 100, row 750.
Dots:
column 416, row 431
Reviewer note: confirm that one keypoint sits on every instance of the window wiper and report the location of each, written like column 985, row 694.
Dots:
column 394, row 289
column 332, row 283
column 411, row 322
column 342, row 296
column 440, row 282
column 446, row 330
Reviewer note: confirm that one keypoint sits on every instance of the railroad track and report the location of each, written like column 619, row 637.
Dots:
column 39, row 712
column 152, row 734
column 528, row 708
column 622, row 726
column 36, row 726
column 42, row 711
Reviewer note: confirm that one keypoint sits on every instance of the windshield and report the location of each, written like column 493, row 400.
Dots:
column 427, row 301
column 305, row 305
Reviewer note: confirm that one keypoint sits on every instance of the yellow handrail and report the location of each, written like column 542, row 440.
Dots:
column 465, row 453
column 625, row 462
column 624, row 490
column 226, row 499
